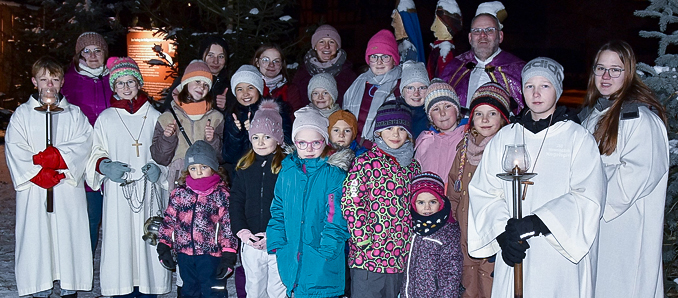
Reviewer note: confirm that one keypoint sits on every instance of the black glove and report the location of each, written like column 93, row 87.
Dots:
column 225, row 268
column 527, row 227
column 512, row 251
column 165, row 256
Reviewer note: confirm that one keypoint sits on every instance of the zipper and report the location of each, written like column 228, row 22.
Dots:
column 409, row 259
column 193, row 223
column 261, row 195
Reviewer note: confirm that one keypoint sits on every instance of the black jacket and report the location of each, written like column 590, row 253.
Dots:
column 251, row 196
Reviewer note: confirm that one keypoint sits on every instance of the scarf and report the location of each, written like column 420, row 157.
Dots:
column 194, row 108
column 202, row 184
column 333, row 67
column 274, row 83
column 93, row 73
column 132, row 106
column 402, row 155
column 427, row 225
column 603, row 103
column 326, row 112
column 476, row 146
column 385, row 84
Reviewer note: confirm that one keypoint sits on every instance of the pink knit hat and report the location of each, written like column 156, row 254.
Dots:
column 267, row 120
column 382, row 43
column 325, row 31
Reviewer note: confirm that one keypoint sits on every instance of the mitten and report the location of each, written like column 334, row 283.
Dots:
column 246, row 237
column 226, row 265
column 165, row 256
column 261, row 243
column 47, row 178
column 50, row 158
column 513, row 252
column 114, row 170
column 527, row 227
column 152, row 172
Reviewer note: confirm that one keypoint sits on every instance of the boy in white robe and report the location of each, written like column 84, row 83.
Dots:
column 50, row 245
column 561, row 210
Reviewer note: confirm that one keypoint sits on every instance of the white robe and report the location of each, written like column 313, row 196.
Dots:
column 126, row 260
column 631, row 232
column 50, row 246
column 567, row 195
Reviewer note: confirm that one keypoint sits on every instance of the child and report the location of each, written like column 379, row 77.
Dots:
column 251, row 197
column 375, row 205
column 490, row 110
column 197, row 117
column 436, row 148
column 342, row 130
column 112, row 157
column 198, row 220
column 435, row 258
column 306, row 231
column 50, row 245
column 322, row 91
column 414, row 84
column 561, row 211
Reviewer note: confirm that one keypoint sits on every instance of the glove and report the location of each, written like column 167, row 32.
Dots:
column 526, row 227
column 261, row 243
column 47, row 178
column 50, row 158
column 165, row 256
column 114, row 170
column 152, row 172
column 225, row 268
column 513, row 252
column 247, row 237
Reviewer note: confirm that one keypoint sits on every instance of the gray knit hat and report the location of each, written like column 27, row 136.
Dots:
column 545, row 67
column 248, row 74
column 310, row 118
column 413, row 72
column 201, row 152
column 326, row 81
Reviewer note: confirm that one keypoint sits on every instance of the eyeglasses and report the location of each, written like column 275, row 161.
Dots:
column 614, row 72
column 266, row 61
column 129, row 84
column 384, row 58
column 488, row 30
column 412, row 89
column 302, row 145
column 95, row 52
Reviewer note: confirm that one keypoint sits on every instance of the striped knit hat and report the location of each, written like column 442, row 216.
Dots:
column 494, row 95
column 91, row 39
column 428, row 182
column 197, row 70
column 123, row 66
column 440, row 91
column 393, row 113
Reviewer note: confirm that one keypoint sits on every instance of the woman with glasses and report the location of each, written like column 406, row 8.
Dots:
column 414, row 83
column 270, row 61
column 629, row 125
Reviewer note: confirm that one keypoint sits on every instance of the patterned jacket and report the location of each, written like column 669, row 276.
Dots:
column 375, row 206
column 195, row 218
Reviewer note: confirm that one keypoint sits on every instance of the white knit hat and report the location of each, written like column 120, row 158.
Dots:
column 248, row 74
column 326, row 81
column 413, row 72
column 310, row 118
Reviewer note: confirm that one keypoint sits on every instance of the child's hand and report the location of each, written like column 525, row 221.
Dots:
column 247, row 122
column 221, row 100
column 209, row 131
column 261, row 243
column 170, row 130
column 226, row 264
column 236, row 122
column 165, row 256
column 246, row 236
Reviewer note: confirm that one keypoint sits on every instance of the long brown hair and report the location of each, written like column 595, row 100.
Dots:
column 248, row 159
column 633, row 89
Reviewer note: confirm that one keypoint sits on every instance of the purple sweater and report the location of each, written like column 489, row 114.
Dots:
column 92, row 96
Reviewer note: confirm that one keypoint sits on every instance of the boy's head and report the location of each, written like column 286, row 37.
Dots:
column 47, row 73
column 428, row 193
column 201, row 160
column 542, row 86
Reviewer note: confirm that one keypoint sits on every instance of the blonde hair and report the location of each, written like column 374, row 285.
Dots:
column 221, row 171
column 248, row 159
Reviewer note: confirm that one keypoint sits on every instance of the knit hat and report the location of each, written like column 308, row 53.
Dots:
column 428, row 182
column 123, row 66
column 440, row 91
column 545, row 67
column 383, row 43
column 201, row 152
column 248, row 74
column 325, row 31
column 393, row 113
column 413, row 72
column 91, row 39
column 310, row 118
column 267, row 120
column 326, row 81
column 197, row 70
column 494, row 95
column 348, row 117
column 494, row 8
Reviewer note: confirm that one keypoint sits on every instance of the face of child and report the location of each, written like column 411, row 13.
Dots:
column 608, row 62
column 263, row 144
column 486, row 120
column 426, row 204
column 197, row 89
column 394, row 136
column 341, row 134
column 215, row 59
column 45, row 80
column 270, row 63
column 326, row 49
column 309, row 143
column 126, row 87
column 198, row 171
column 444, row 116
column 321, row 98
column 246, row 94
column 414, row 94
column 93, row 56
column 540, row 97
column 381, row 63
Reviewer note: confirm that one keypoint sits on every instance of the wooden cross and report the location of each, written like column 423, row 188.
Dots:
column 137, row 144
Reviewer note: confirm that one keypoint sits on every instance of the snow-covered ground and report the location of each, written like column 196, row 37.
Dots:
column 7, row 221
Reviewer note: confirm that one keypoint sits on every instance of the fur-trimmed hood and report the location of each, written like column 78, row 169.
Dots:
column 342, row 159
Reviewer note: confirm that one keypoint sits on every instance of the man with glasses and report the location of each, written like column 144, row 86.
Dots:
column 486, row 62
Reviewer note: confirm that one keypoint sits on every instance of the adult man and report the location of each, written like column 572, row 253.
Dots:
column 485, row 62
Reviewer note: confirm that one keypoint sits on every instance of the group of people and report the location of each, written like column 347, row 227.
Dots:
column 332, row 184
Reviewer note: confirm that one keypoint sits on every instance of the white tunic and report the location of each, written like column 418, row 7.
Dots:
column 567, row 195
column 126, row 260
column 631, row 232
column 50, row 246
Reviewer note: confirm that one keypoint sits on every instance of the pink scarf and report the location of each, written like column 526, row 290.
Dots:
column 202, row 184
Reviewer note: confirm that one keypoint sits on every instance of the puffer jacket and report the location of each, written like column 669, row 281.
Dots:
column 199, row 221
column 375, row 206
column 306, row 231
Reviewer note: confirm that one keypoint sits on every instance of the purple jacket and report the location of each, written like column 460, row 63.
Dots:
column 297, row 92
column 90, row 95
column 507, row 69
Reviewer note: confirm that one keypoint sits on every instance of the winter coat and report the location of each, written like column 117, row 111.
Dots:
column 91, row 95
column 435, row 150
column 195, row 218
column 307, row 231
column 251, row 196
column 434, row 264
column 297, row 93
column 375, row 204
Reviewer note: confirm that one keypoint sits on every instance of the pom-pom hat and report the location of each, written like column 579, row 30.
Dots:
column 197, row 70
column 267, row 120
column 123, row 66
